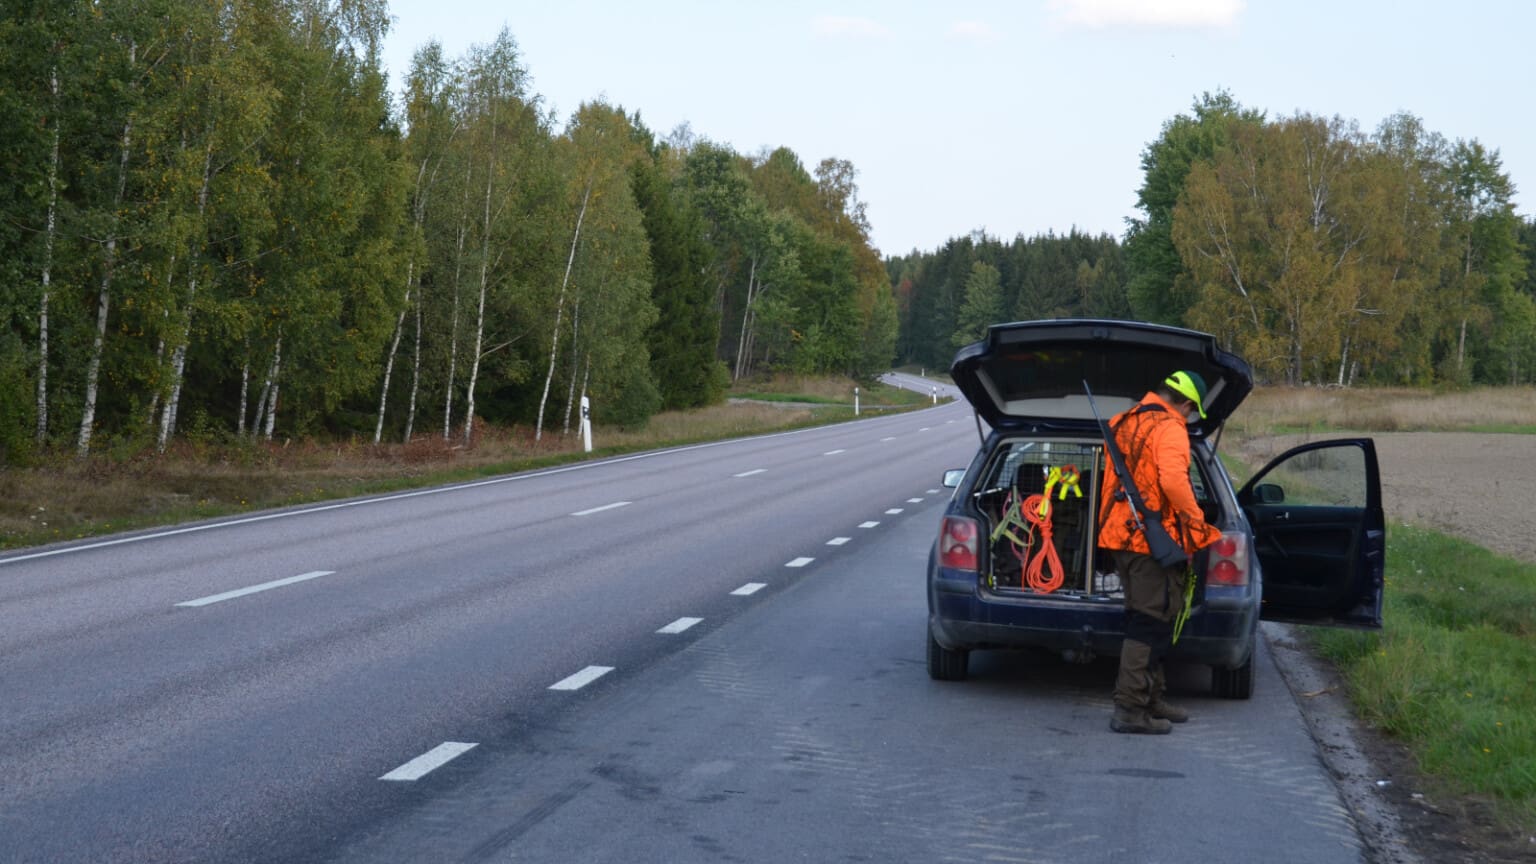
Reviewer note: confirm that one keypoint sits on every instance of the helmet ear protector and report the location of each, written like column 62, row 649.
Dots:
column 1189, row 385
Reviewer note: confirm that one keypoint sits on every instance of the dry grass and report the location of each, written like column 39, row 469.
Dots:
column 821, row 387
column 1270, row 410
column 66, row 498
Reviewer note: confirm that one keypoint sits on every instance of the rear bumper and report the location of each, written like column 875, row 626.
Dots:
column 961, row 617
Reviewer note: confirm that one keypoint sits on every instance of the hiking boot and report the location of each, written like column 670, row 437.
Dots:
column 1163, row 711
column 1138, row 721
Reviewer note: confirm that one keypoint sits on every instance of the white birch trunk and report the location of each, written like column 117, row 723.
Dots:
column 453, row 339
column 554, row 348
column 410, row 414
column 277, row 368
column 245, row 388
column 586, row 377
column 263, row 404
column 741, row 338
column 179, row 356
column 485, row 276
column 570, row 392
column 42, row 311
column 104, row 295
column 394, row 345
column 417, row 215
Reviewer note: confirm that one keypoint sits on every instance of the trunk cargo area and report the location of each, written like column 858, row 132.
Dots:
column 1016, row 534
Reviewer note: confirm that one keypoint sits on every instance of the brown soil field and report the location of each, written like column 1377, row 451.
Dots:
column 1476, row 486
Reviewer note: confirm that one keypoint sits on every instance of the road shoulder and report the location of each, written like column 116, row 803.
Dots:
column 1399, row 823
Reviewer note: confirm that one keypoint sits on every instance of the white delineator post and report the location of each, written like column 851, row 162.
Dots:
column 586, row 423
column 855, row 401
column 935, row 394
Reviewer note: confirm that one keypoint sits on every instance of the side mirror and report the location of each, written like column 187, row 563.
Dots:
column 952, row 478
column 1268, row 493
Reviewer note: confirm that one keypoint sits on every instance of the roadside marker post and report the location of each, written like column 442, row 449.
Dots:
column 586, row 423
column 855, row 401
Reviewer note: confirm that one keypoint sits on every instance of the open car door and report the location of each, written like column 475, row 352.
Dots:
column 1319, row 534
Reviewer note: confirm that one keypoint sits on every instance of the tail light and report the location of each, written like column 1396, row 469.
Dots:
column 1227, row 563
column 958, row 543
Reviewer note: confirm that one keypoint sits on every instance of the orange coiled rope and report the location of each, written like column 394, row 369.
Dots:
column 1037, row 510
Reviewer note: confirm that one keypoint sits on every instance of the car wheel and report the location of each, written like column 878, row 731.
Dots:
column 1233, row 683
column 945, row 664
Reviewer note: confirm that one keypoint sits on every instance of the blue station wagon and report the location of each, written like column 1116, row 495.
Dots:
column 1302, row 541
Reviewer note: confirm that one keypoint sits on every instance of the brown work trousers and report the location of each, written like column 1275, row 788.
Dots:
column 1154, row 594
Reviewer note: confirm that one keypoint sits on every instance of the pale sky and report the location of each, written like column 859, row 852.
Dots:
column 1008, row 117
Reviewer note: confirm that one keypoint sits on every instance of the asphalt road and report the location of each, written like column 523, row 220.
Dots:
column 511, row 670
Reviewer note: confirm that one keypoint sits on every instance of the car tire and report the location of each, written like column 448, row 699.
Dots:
column 1233, row 683
column 946, row 664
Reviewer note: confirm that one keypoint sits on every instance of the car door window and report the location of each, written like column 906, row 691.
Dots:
column 1333, row 477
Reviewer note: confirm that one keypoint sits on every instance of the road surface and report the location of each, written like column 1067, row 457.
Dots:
column 713, row 653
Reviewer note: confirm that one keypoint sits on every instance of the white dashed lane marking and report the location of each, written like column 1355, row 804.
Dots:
column 429, row 761
column 833, row 452
column 889, row 438
column 799, row 562
column 749, row 589
column 265, row 586
column 582, row 678
column 750, row 473
column 914, row 500
column 679, row 625
column 868, row 524
column 893, row 511
column 838, row 541
column 933, row 491
column 615, row 505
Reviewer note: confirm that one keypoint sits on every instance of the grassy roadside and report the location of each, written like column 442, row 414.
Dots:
column 63, row 498
column 1451, row 673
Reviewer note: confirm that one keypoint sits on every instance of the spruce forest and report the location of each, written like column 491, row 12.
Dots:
column 222, row 221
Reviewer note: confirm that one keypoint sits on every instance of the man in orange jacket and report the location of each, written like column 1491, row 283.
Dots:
column 1154, row 436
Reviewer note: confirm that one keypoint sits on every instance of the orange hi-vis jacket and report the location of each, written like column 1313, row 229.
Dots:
column 1154, row 438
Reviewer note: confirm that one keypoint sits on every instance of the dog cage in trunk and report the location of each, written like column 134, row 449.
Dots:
column 1070, row 472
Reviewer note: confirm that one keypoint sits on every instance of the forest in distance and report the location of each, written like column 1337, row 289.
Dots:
column 1322, row 254
column 222, row 221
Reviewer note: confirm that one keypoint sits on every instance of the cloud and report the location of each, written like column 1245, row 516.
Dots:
column 1169, row 14
column 978, row 32
column 841, row 25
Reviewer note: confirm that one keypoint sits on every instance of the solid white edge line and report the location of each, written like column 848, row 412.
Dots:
column 838, row 541
column 679, row 625
column 893, row 511
column 429, row 761
column 750, row 473
column 868, row 524
column 749, row 589
column 799, row 562
column 582, row 678
column 418, row 493
column 265, row 586
column 612, row 506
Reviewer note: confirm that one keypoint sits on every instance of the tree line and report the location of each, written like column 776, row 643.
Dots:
column 216, row 220
column 1322, row 253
